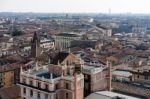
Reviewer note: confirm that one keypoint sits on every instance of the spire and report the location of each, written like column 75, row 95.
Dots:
column 42, row 77
column 34, row 76
column 29, row 71
column 21, row 70
column 51, row 76
column 62, row 74
column 42, row 51
column 61, row 49
column 81, row 62
column 69, row 50
column 90, row 62
column 65, row 65
column 49, row 60
column 58, row 63
column 107, row 63
column 35, row 37
column 36, row 65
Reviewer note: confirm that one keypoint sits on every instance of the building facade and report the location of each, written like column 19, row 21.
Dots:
column 9, row 73
column 63, row 40
column 141, row 74
column 53, row 81
column 139, row 29
column 97, row 33
column 47, row 44
column 95, row 77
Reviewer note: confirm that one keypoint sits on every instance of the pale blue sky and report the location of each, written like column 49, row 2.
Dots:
column 100, row 6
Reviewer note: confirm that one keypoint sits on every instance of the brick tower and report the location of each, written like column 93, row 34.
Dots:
column 78, row 82
column 35, row 46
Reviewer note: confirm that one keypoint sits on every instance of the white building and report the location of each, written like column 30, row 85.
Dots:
column 47, row 44
column 98, row 32
column 63, row 40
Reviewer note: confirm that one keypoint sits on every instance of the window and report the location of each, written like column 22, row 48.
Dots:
column 67, row 96
column 146, row 77
column 56, row 86
column 24, row 80
column 67, row 62
column 67, row 86
column 39, row 84
column 86, row 86
column 38, row 95
column 138, row 76
column 56, row 96
column 31, row 82
column 46, row 86
column 31, row 93
column 24, row 90
column 46, row 96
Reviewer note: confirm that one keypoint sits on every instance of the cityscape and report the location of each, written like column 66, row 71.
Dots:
column 63, row 54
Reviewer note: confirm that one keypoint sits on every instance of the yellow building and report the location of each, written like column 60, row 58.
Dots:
column 9, row 73
column 7, row 79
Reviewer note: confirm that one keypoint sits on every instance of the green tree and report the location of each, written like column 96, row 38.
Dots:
column 17, row 33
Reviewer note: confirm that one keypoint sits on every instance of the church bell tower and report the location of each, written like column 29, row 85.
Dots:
column 35, row 46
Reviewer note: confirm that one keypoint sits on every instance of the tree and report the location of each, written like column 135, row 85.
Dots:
column 17, row 33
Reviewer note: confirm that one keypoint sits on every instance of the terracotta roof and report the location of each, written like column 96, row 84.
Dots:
column 15, row 57
column 9, row 67
column 4, row 39
column 60, row 57
column 10, row 93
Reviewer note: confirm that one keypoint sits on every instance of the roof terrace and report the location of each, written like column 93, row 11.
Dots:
column 42, row 73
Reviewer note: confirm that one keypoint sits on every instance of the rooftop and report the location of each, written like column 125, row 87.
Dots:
column 48, row 75
column 60, row 57
column 122, row 73
column 67, row 34
column 9, row 93
column 113, row 94
column 11, row 67
column 92, row 69
column 42, row 73
column 109, row 95
column 5, row 62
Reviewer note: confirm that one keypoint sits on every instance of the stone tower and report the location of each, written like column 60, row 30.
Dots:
column 35, row 46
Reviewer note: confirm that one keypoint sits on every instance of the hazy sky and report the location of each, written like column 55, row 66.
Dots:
column 100, row 6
